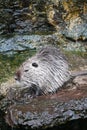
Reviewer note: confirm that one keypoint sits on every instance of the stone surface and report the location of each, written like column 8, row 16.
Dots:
column 67, row 109
column 68, row 17
column 48, row 111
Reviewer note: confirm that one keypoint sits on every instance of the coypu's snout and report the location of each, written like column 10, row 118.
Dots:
column 18, row 75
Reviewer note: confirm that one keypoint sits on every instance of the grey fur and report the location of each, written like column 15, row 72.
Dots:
column 50, row 74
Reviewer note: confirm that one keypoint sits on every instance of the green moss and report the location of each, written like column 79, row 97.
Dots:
column 9, row 64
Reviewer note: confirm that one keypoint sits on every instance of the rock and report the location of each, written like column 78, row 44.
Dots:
column 4, row 87
column 68, row 105
column 46, row 113
column 69, row 17
column 80, row 80
column 67, row 108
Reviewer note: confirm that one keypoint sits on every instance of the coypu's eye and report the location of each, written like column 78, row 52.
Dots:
column 25, row 70
column 35, row 64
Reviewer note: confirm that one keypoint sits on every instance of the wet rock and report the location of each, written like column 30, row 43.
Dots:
column 5, row 87
column 68, row 105
column 22, row 18
column 66, row 108
column 23, row 42
column 69, row 18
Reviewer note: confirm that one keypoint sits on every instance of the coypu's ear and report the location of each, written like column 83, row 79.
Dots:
column 34, row 64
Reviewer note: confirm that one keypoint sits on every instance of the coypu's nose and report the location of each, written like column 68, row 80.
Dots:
column 18, row 75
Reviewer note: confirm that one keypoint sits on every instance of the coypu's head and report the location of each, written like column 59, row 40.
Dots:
column 45, row 72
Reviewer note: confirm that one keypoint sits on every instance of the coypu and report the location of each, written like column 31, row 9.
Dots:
column 45, row 72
